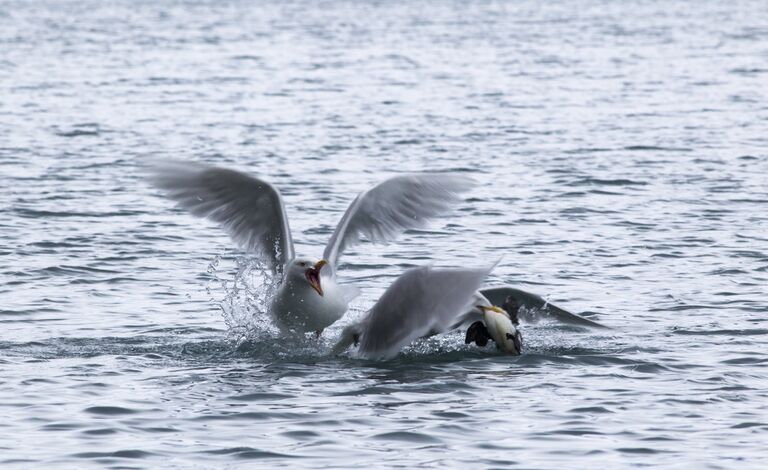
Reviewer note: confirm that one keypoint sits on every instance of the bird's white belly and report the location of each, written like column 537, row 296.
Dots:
column 301, row 309
column 498, row 327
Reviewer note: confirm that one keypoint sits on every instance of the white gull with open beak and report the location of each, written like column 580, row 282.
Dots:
column 253, row 214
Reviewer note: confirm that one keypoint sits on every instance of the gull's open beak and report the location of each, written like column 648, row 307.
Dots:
column 320, row 264
column 313, row 276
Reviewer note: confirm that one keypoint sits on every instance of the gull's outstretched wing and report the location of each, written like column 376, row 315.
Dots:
column 394, row 206
column 421, row 301
column 249, row 209
column 537, row 308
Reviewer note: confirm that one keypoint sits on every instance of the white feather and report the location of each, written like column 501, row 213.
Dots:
column 252, row 212
column 249, row 209
column 423, row 300
column 393, row 206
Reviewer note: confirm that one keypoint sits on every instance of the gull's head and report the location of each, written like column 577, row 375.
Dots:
column 306, row 270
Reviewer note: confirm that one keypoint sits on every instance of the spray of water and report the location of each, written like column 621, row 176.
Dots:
column 244, row 298
column 244, row 303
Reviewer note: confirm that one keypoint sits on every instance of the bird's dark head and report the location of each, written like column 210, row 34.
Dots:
column 512, row 307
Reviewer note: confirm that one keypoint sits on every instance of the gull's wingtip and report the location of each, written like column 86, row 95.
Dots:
column 458, row 182
column 455, row 182
column 156, row 167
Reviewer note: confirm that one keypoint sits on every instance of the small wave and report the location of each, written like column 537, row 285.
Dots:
column 745, row 361
column 109, row 410
column 33, row 213
column 78, row 130
column 65, row 270
column 247, row 453
column 77, row 133
column 589, row 181
column 748, row 71
column 407, row 436
column 749, row 332
column 120, row 454
column 643, row 148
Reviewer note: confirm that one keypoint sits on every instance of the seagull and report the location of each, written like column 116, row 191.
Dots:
column 422, row 302
column 251, row 210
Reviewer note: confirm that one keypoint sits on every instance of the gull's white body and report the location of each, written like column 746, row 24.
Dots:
column 501, row 329
column 297, row 307
column 252, row 212
column 422, row 301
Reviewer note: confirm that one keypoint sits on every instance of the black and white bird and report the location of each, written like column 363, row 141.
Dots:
column 308, row 298
column 499, row 326
column 496, row 315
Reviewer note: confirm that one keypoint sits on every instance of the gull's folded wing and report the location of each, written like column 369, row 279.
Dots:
column 249, row 209
column 394, row 206
column 422, row 300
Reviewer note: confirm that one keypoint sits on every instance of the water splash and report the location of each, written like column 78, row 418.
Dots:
column 244, row 298
column 244, row 303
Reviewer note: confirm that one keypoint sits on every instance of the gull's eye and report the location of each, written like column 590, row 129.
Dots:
column 303, row 264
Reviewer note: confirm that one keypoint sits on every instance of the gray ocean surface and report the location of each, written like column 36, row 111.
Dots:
column 621, row 155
